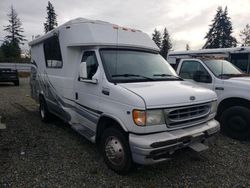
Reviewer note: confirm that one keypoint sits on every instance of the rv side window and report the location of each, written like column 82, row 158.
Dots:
column 190, row 68
column 52, row 53
column 90, row 58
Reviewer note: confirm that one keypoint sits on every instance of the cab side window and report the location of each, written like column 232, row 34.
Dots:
column 194, row 70
column 91, row 61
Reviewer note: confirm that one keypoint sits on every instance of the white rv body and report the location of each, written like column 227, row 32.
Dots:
column 89, row 104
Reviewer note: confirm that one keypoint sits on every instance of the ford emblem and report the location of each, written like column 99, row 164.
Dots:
column 192, row 98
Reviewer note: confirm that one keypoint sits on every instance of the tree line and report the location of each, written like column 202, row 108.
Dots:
column 219, row 34
column 10, row 50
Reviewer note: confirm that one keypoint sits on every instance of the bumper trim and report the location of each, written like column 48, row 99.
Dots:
column 153, row 148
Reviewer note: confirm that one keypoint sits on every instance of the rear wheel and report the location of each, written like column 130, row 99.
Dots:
column 115, row 150
column 16, row 83
column 235, row 122
column 43, row 111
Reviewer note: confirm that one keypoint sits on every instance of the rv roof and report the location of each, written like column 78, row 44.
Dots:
column 85, row 32
column 211, row 51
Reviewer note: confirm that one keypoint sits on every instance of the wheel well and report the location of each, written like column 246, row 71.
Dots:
column 226, row 103
column 104, row 123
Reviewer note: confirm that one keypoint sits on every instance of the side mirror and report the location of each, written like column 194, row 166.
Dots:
column 83, row 70
column 83, row 75
column 201, row 76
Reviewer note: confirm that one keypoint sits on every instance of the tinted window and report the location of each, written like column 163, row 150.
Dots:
column 189, row 68
column 91, row 61
column 52, row 53
column 240, row 61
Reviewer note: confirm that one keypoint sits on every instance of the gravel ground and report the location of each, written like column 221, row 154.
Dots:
column 35, row 154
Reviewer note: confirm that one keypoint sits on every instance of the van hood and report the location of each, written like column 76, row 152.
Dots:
column 169, row 93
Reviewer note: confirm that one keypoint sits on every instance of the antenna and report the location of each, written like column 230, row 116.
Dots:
column 222, row 67
column 117, row 28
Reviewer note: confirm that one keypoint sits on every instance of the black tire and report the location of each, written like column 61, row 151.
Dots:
column 43, row 111
column 124, row 163
column 16, row 83
column 235, row 122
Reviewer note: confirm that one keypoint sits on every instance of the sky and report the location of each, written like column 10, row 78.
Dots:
column 186, row 20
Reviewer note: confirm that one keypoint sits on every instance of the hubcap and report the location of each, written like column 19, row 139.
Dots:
column 114, row 150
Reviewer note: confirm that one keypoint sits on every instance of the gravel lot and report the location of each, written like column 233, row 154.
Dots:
column 35, row 154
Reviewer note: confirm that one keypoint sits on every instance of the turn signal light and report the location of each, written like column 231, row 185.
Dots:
column 139, row 117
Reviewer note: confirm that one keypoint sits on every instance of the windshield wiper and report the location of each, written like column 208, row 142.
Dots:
column 133, row 75
column 168, row 75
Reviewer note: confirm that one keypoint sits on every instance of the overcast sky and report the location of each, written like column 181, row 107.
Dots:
column 186, row 20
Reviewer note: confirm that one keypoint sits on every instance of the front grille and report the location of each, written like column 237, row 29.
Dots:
column 185, row 116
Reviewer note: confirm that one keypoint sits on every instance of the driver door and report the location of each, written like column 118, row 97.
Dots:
column 87, row 89
column 195, row 72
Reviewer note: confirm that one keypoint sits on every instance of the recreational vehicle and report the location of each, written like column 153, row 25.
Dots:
column 113, row 87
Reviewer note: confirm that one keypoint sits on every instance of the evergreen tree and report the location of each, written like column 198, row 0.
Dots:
column 156, row 37
column 220, row 32
column 245, row 36
column 187, row 47
column 166, row 44
column 10, row 50
column 51, row 21
column 14, row 38
column 14, row 29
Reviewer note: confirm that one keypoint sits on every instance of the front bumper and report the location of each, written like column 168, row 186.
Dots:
column 157, row 147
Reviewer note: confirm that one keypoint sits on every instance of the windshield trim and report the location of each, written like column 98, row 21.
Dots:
column 135, row 79
column 220, row 77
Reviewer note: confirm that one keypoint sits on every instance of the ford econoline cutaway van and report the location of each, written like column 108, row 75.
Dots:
column 113, row 87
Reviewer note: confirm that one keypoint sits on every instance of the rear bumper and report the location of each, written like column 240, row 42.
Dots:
column 153, row 148
column 8, row 77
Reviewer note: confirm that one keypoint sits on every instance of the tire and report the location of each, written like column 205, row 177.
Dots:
column 43, row 111
column 114, row 142
column 235, row 122
column 16, row 83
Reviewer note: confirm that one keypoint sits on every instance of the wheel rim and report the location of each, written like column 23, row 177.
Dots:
column 114, row 150
column 42, row 111
column 238, row 123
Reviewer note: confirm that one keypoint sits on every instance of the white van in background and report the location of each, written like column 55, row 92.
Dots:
column 113, row 87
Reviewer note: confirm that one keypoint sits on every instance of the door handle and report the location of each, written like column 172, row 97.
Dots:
column 219, row 88
column 76, row 96
column 105, row 91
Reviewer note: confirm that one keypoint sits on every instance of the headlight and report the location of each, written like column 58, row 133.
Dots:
column 149, row 117
column 155, row 117
column 213, row 107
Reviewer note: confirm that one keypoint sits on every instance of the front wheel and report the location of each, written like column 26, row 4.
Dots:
column 235, row 122
column 115, row 150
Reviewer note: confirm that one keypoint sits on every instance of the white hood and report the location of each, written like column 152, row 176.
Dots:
column 239, row 80
column 169, row 93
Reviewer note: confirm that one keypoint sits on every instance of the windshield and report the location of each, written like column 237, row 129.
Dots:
column 223, row 68
column 136, row 66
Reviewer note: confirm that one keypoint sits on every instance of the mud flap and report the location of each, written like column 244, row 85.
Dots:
column 2, row 126
column 198, row 147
